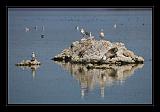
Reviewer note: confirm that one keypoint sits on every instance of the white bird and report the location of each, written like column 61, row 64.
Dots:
column 85, row 33
column 115, row 26
column 33, row 56
column 90, row 34
column 77, row 28
column 82, row 31
column 27, row 29
column 101, row 34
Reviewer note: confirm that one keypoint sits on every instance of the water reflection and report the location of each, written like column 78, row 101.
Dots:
column 90, row 78
column 33, row 69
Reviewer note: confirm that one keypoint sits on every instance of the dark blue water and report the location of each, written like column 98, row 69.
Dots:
column 50, row 83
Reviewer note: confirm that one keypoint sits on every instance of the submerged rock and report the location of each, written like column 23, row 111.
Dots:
column 91, row 51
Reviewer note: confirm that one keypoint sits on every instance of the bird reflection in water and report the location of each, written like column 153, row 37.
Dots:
column 90, row 78
column 33, row 69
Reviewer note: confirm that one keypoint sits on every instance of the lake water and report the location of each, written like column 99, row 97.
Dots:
column 63, row 83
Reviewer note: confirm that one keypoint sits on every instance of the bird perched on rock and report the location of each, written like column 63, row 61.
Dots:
column 84, row 33
column 101, row 34
column 33, row 56
column 90, row 34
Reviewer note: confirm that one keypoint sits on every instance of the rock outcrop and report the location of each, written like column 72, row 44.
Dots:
column 98, row 52
column 28, row 63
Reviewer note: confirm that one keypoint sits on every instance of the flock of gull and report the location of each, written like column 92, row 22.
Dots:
column 89, row 34
column 82, row 31
column 27, row 29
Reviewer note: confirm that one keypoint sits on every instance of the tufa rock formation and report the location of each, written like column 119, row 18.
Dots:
column 95, row 53
column 28, row 63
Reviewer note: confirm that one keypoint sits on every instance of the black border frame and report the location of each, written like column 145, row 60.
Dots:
column 129, row 107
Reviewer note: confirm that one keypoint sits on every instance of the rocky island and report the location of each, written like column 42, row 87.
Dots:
column 28, row 63
column 31, row 62
column 98, row 53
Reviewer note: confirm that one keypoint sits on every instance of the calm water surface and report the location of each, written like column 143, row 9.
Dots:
column 63, row 83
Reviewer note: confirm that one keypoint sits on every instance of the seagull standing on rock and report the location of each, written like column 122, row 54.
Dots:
column 33, row 56
column 101, row 34
column 82, row 32
column 90, row 34
column 85, row 33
